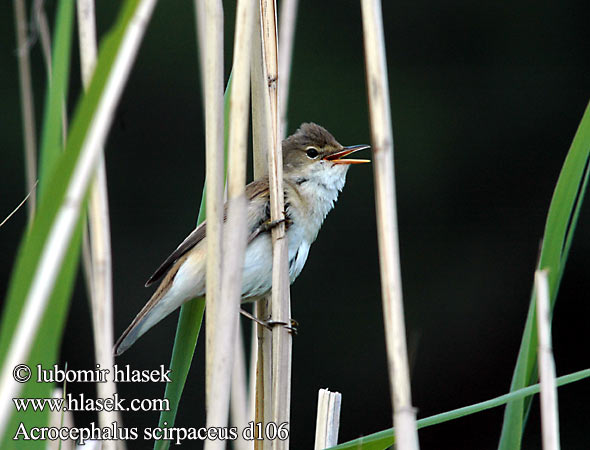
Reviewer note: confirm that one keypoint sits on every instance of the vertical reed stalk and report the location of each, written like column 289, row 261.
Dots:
column 42, row 27
column 404, row 415
column 61, row 419
column 263, row 382
column 27, row 102
column 201, row 38
column 271, row 403
column 262, row 142
column 238, row 203
column 280, row 300
column 61, row 231
column 549, row 407
column 228, row 303
column 287, row 19
column 214, row 171
column 261, row 134
column 101, row 295
column 240, row 412
column 252, row 370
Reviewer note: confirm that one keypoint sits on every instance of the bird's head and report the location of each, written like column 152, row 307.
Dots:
column 313, row 152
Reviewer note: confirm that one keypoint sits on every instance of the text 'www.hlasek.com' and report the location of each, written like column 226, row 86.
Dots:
column 69, row 403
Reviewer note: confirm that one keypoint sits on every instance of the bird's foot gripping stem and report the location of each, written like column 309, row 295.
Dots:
column 270, row 324
column 268, row 226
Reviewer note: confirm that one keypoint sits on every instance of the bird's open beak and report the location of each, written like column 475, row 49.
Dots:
column 336, row 158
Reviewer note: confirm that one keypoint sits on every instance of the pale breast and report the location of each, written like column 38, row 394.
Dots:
column 257, row 274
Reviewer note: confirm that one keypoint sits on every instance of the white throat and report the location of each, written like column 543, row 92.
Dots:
column 319, row 187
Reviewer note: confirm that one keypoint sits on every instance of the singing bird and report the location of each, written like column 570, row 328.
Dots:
column 314, row 172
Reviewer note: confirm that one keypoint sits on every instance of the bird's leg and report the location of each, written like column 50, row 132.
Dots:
column 270, row 324
column 267, row 226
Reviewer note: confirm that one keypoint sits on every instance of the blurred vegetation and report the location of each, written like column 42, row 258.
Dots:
column 486, row 99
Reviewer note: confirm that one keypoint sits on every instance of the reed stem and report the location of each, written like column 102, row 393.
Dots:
column 234, row 236
column 287, row 21
column 101, row 285
column 404, row 415
column 27, row 103
column 262, row 142
column 214, row 173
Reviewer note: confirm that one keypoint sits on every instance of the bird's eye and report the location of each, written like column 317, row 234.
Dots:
column 312, row 152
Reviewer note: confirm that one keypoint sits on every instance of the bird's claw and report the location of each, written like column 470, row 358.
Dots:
column 270, row 224
column 270, row 324
column 294, row 327
column 291, row 328
column 267, row 226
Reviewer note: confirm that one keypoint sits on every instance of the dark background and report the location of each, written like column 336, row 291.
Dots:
column 486, row 97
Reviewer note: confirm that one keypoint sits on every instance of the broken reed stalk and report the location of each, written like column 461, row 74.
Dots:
column 99, row 232
column 214, row 172
column 27, row 103
column 280, row 297
column 404, row 415
column 262, row 142
column 328, row 419
column 549, row 406
column 287, row 20
column 59, row 236
column 228, row 303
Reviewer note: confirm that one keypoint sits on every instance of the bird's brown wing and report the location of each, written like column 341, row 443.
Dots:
column 258, row 196
column 196, row 236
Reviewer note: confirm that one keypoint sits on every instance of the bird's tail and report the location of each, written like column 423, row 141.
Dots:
column 157, row 308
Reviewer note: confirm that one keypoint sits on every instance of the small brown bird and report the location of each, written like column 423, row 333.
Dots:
column 314, row 172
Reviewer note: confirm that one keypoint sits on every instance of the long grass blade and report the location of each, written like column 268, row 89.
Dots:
column 386, row 438
column 41, row 27
column 187, row 332
column 55, row 234
column 53, row 122
column 559, row 228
